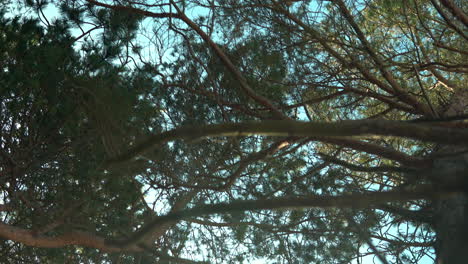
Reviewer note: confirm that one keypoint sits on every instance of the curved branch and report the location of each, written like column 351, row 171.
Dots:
column 313, row 201
column 384, row 152
column 347, row 128
column 179, row 205
column 76, row 238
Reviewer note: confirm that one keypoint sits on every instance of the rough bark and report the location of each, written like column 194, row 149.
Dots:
column 451, row 213
column 452, row 229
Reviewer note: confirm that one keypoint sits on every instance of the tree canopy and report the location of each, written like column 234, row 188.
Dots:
column 221, row 131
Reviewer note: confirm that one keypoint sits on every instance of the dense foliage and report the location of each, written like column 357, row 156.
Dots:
column 167, row 131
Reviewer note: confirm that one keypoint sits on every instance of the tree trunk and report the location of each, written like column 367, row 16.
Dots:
column 451, row 224
column 451, row 213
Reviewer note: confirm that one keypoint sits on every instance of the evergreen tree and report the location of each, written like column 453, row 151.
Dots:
column 228, row 131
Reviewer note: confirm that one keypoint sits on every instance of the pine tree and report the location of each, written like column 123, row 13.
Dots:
column 229, row 131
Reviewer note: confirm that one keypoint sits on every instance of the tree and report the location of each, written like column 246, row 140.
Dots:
column 225, row 131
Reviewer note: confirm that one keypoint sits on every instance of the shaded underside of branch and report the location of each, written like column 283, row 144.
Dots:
column 282, row 128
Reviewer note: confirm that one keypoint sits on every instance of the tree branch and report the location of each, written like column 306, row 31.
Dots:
column 384, row 152
column 179, row 205
column 364, row 168
column 456, row 11
column 398, row 89
column 347, row 128
column 78, row 238
column 231, row 67
column 134, row 10
column 404, row 243
column 344, row 201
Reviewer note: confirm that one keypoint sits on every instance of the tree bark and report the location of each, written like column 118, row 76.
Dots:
column 451, row 213
column 451, row 224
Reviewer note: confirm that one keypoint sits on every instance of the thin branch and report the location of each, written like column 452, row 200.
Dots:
column 367, row 238
column 398, row 89
column 421, row 86
column 364, row 168
column 231, row 67
column 316, row 100
column 135, row 10
column 404, row 243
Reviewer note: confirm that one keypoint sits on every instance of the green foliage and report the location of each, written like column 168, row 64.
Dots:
column 59, row 115
column 79, row 90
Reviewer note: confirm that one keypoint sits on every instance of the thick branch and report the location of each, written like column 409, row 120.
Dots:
column 447, row 19
column 78, row 238
column 179, row 205
column 345, row 201
column 302, row 129
column 5, row 207
column 456, row 11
